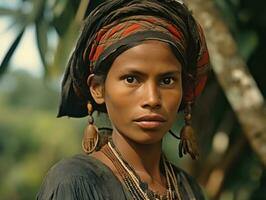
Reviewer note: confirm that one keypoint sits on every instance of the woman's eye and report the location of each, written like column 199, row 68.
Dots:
column 167, row 81
column 131, row 79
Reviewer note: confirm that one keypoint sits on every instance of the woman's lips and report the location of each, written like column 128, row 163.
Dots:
column 149, row 124
column 150, row 121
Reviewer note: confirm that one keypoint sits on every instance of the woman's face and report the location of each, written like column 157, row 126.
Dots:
column 143, row 91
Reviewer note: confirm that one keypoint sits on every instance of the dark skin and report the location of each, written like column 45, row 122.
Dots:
column 142, row 93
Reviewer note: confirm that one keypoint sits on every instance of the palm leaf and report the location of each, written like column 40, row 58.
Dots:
column 42, row 40
column 5, row 63
column 9, row 12
column 64, row 47
column 37, row 11
column 62, row 21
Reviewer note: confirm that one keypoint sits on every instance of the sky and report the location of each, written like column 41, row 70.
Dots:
column 26, row 55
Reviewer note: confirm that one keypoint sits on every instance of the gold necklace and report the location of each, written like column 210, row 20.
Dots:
column 138, row 189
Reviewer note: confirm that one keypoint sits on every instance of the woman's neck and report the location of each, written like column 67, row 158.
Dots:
column 143, row 158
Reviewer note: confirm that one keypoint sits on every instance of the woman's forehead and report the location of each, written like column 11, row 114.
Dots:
column 146, row 56
column 149, row 48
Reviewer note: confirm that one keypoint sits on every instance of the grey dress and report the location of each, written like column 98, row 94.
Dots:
column 83, row 177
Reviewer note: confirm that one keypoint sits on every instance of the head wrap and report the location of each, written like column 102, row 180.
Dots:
column 117, row 25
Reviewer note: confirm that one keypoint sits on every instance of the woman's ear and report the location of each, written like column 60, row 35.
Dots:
column 96, row 89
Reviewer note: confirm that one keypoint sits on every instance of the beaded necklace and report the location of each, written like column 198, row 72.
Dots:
column 137, row 188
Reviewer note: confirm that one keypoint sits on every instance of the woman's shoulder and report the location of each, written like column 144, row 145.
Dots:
column 80, row 165
column 188, row 184
column 78, row 177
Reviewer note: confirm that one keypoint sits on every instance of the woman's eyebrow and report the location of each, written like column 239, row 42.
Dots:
column 174, row 71
column 140, row 72
column 133, row 71
column 171, row 72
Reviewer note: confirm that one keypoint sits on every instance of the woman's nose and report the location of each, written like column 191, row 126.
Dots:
column 151, row 96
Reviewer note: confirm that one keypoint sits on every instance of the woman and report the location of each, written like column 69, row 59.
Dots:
column 140, row 62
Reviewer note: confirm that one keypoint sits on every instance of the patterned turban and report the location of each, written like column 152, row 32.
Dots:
column 117, row 25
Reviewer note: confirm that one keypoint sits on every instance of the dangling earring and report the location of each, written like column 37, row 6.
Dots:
column 91, row 136
column 188, row 143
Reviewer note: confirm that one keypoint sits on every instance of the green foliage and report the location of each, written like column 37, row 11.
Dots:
column 32, row 139
column 48, row 17
column 244, row 178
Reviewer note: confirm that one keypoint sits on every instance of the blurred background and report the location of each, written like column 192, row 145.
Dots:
column 36, row 37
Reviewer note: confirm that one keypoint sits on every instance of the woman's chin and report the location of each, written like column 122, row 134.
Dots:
column 147, row 138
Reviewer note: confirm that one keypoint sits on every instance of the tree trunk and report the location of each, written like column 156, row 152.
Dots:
column 233, row 75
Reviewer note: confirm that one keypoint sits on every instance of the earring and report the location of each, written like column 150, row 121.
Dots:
column 91, row 136
column 188, row 143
